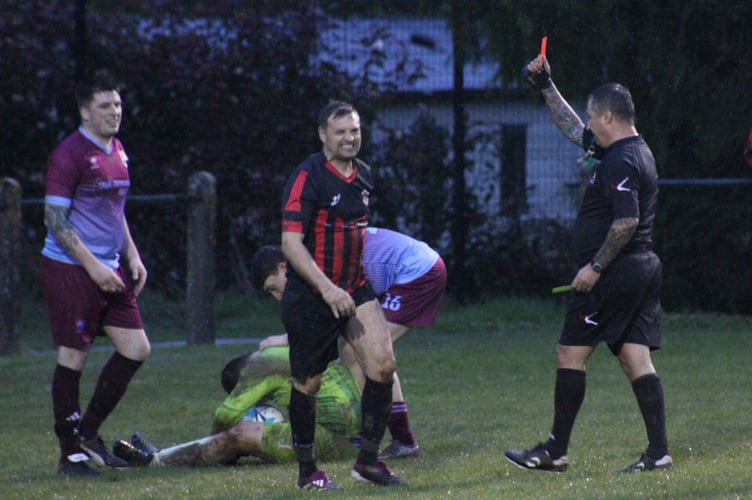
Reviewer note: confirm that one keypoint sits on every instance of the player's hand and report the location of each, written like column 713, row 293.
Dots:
column 138, row 274
column 340, row 301
column 585, row 280
column 106, row 278
column 537, row 73
column 274, row 341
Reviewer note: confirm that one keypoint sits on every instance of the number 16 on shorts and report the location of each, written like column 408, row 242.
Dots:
column 391, row 303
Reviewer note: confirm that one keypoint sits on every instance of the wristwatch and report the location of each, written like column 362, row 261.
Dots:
column 596, row 267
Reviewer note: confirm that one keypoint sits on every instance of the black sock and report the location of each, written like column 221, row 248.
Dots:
column 376, row 404
column 303, row 423
column 113, row 381
column 649, row 393
column 66, row 409
column 569, row 393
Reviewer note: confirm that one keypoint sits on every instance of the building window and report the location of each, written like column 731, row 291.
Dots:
column 513, row 179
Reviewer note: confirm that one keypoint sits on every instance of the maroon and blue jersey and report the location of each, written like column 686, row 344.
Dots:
column 624, row 184
column 392, row 258
column 331, row 212
column 92, row 182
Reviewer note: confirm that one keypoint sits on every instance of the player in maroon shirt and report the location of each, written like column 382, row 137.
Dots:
column 86, row 290
column 327, row 295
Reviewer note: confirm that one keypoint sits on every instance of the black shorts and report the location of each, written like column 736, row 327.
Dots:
column 312, row 330
column 623, row 307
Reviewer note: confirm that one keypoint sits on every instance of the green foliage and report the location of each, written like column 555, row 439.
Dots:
column 36, row 101
column 477, row 383
column 515, row 257
column 413, row 180
column 705, row 240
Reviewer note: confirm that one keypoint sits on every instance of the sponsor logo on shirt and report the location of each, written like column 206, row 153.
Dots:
column 104, row 187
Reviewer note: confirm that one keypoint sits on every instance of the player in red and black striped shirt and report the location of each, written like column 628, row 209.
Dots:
column 327, row 295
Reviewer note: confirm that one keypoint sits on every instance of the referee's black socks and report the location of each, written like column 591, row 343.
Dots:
column 569, row 393
column 649, row 393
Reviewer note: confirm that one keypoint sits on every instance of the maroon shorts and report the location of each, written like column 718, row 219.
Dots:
column 78, row 308
column 416, row 303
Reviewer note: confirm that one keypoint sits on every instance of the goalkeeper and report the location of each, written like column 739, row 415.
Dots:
column 263, row 377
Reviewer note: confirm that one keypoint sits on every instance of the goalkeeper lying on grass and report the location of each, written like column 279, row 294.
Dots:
column 263, row 377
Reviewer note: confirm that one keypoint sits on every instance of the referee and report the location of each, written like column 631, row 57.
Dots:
column 616, row 292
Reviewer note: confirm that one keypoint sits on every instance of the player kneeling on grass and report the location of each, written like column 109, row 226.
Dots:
column 263, row 378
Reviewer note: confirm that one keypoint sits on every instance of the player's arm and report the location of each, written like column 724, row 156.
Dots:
column 563, row 115
column 618, row 236
column 300, row 258
column 538, row 75
column 264, row 374
column 56, row 221
column 237, row 404
column 133, row 258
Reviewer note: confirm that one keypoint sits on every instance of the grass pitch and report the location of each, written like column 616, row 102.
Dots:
column 477, row 383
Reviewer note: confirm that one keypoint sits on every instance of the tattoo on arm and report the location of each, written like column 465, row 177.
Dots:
column 56, row 220
column 564, row 116
column 619, row 234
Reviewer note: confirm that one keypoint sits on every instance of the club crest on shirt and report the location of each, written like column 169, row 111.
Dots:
column 366, row 196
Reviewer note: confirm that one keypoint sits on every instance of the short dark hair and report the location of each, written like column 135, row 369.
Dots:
column 264, row 264
column 613, row 97
column 231, row 372
column 335, row 109
column 100, row 81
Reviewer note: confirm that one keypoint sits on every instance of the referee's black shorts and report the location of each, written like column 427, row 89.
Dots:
column 623, row 307
column 312, row 330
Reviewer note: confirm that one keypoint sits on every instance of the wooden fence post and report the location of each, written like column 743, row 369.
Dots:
column 10, row 265
column 201, row 280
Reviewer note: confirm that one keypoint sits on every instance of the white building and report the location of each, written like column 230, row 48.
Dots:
column 424, row 46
